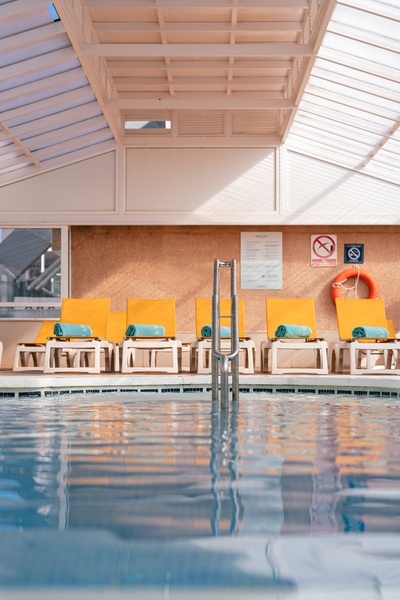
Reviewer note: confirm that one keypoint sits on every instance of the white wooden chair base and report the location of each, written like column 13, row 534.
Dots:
column 273, row 347
column 200, row 355
column 129, row 357
column 29, row 357
column 358, row 350
column 80, row 357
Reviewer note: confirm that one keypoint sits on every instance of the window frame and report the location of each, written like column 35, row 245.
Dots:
column 65, row 284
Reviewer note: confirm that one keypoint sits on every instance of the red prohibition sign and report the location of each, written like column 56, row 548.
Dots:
column 324, row 246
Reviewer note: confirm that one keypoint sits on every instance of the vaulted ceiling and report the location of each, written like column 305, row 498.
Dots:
column 320, row 76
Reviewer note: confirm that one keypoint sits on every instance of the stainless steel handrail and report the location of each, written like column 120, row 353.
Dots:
column 220, row 360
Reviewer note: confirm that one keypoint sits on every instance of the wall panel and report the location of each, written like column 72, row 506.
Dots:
column 318, row 192
column 163, row 262
column 208, row 184
column 86, row 186
column 200, row 186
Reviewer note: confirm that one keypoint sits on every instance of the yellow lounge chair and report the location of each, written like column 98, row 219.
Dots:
column 29, row 355
column 83, row 353
column 352, row 313
column 151, row 313
column 200, row 349
column 297, row 312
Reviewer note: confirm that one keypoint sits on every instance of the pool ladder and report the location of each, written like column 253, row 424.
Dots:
column 220, row 360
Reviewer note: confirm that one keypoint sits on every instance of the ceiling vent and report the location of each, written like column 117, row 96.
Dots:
column 246, row 122
column 198, row 123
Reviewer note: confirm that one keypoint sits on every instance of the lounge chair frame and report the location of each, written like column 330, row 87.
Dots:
column 83, row 354
column 294, row 311
column 29, row 356
column 353, row 313
column 151, row 312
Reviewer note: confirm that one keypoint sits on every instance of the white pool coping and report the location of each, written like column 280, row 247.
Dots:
column 40, row 384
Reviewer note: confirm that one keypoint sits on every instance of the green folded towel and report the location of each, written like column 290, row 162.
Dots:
column 370, row 332
column 293, row 331
column 224, row 332
column 138, row 330
column 72, row 330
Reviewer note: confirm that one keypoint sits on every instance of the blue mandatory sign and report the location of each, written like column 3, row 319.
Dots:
column 354, row 253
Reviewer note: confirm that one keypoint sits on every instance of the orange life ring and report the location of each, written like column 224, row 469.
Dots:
column 353, row 272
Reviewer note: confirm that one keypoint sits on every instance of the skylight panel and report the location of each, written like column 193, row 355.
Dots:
column 388, row 159
column 360, row 64
column 341, row 107
column 323, row 152
column 396, row 136
column 349, row 111
column 335, row 137
column 333, row 140
column 365, row 22
column 327, row 125
column 361, row 50
column 385, row 8
column 382, row 171
column 392, row 147
column 53, row 13
column 62, row 104
column 338, row 118
column 356, row 79
column 354, row 97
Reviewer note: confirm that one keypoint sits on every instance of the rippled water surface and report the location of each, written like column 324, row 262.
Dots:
column 275, row 493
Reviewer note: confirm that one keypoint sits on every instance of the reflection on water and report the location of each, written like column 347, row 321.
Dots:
column 257, row 485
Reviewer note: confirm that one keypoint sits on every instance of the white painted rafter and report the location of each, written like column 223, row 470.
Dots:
column 197, row 50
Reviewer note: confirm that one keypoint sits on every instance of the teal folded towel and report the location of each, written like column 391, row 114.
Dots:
column 72, row 330
column 224, row 332
column 138, row 330
column 293, row 331
column 370, row 332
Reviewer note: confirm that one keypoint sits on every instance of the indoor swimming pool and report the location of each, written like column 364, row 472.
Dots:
column 279, row 497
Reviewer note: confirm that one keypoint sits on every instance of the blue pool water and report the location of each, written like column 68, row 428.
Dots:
column 280, row 496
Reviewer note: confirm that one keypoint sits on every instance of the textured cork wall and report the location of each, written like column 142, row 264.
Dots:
column 177, row 261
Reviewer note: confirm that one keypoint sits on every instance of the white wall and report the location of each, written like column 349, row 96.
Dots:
column 206, row 185
column 63, row 195
column 323, row 193
column 248, row 186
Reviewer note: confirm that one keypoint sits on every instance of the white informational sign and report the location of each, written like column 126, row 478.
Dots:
column 261, row 261
column 323, row 250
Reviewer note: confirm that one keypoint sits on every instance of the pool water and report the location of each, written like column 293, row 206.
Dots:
column 276, row 497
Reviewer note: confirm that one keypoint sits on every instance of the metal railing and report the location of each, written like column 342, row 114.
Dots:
column 220, row 359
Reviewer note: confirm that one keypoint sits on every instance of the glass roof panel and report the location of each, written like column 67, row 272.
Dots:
column 331, row 139
column 356, row 111
column 357, row 49
column 353, row 91
column 324, row 67
column 364, row 22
